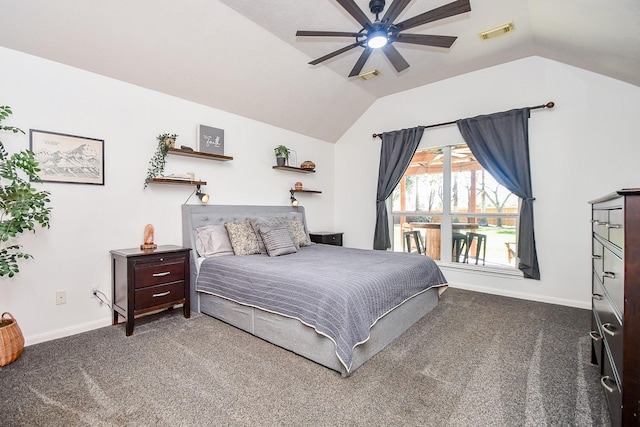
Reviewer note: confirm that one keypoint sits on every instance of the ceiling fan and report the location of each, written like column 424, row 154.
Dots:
column 382, row 33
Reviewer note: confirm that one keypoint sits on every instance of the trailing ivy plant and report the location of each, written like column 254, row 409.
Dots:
column 22, row 207
column 159, row 159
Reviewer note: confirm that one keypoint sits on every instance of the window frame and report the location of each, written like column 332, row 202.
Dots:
column 446, row 216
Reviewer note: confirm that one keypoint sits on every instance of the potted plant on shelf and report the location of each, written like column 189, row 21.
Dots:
column 22, row 207
column 282, row 155
column 158, row 161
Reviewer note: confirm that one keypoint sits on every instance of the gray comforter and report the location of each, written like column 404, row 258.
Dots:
column 340, row 292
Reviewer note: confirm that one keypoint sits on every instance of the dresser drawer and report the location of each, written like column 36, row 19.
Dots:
column 610, row 327
column 596, row 338
column 160, row 271
column 613, row 278
column 597, row 253
column 600, row 219
column 158, row 295
column 609, row 382
column 616, row 227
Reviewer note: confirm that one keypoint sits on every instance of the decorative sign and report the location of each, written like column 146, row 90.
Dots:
column 211, row 140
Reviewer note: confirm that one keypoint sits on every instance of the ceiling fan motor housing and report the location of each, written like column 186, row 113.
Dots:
column 376, row 6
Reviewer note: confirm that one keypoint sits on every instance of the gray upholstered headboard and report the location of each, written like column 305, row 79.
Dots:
column 194, row 216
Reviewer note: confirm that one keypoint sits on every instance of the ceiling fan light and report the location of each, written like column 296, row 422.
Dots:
column 377, row 39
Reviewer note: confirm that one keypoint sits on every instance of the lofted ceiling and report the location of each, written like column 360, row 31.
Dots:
column 243, row 56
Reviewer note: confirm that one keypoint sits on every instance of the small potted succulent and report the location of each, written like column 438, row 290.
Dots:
column 282, row 155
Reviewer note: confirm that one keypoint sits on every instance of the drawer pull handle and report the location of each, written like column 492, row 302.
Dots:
column 596, row 222
column 603, row 381
column 164, row 273
column 596, row 256
column 607, row 328
column 595, row 335
column 609, row 274
column 608, row 225
column 161, row 294
column 597, row 297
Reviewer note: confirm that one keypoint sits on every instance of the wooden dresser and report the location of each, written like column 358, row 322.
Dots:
column 148, row 281
column 616, row 301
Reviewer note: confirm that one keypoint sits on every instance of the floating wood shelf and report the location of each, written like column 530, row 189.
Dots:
column 304, row 190
column 294, row 169
column 177, row 181
column 200, row 154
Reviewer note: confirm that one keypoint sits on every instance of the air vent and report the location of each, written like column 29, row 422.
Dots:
column 369, row 74
column 497, row 31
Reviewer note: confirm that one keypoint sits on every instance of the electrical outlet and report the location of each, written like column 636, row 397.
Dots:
column 61, row 297
column 93, row 289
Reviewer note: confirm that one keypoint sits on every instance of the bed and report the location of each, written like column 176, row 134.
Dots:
column 330, row 304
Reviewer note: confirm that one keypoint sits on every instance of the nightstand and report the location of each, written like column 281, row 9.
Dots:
column 327, row 237
column 145, row 281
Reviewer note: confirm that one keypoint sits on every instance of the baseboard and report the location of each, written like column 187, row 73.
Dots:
column 523, row 295
column 65, row 332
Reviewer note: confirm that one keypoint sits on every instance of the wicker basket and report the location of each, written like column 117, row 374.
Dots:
column 11, row 340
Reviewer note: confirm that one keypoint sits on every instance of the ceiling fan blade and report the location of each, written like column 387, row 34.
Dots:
column 426, row 39
column 394, row 56
column 327, row 34
column 353, row 9
column 360, row 62
column 334, row 53
column 394, row 10
column 451, row 9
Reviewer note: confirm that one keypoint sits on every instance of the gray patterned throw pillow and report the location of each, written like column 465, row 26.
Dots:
column 300, row 237
column 243, row 239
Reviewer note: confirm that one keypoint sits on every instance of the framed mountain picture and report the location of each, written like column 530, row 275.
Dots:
column 68, row 158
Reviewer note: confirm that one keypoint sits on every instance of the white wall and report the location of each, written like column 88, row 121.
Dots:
column 580, row 150
column 584, row 148
column 89, row 220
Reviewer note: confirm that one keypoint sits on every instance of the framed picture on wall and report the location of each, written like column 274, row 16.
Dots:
column 68, row 158
column 211, row 140
column 293, row 158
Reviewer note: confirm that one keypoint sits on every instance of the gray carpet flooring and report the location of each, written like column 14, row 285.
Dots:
column 476, row 360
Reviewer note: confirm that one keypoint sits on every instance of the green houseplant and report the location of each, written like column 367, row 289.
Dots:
column 282, row 155
column 158, row 161
column 22, row 207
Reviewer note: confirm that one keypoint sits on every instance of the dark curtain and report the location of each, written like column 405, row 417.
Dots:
column 500, row 142
column 396, row 152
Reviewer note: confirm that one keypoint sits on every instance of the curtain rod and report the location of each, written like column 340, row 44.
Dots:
column 547, row 105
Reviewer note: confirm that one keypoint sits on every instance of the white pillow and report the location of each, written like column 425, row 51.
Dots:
column 213, row 240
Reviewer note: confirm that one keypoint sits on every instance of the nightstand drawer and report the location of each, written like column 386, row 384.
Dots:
column 327, row 238
column 155, row 273
column 152, row 296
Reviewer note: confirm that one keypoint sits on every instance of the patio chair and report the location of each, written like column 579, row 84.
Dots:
column 459, row 245
column 480, row 241
column 408, row 234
